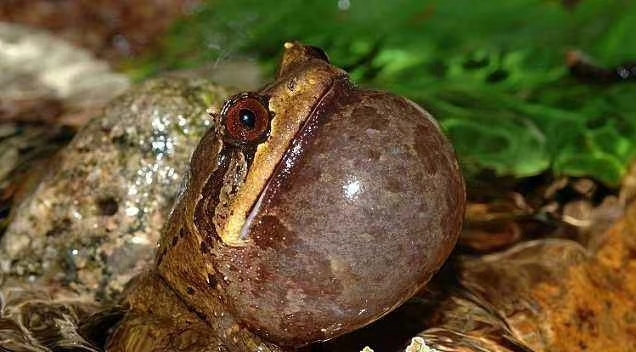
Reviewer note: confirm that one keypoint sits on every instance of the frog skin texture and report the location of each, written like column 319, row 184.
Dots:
column 312, row 208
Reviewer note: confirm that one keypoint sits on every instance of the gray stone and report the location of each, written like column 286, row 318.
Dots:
column 93, row 222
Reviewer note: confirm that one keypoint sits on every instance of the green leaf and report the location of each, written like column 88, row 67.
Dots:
column 492, row 72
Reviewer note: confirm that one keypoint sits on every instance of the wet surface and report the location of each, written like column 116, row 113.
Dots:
column 94, row 220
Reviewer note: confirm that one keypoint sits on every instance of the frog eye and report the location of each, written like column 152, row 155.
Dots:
column 246, row 119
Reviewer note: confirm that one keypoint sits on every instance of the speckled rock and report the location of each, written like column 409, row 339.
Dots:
column 95, row 218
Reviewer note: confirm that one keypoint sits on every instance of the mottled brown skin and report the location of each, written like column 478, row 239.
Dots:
column 347, row 208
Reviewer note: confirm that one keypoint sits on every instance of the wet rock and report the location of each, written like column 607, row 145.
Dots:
column 95, row 218
column 48, row 89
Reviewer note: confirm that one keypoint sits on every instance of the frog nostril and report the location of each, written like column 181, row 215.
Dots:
column 107, row 206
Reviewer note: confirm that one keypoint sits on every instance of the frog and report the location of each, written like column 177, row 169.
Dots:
column 311, row 208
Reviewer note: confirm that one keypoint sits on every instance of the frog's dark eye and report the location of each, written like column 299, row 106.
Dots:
column 317, row 53
column 246, row 119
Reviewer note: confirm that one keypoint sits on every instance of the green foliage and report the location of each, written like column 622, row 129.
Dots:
column 493, row 72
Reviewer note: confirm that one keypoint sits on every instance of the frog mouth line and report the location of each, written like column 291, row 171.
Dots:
column 292, row 154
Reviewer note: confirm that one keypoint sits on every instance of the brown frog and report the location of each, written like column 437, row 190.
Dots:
column 311, row 209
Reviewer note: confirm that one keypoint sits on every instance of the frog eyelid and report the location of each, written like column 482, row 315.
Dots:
column 235, row 99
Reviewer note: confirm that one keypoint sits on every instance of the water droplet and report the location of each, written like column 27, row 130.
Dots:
column 132, row 211
column 352, row 189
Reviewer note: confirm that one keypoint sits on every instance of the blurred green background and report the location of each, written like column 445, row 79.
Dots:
column 493, row 72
